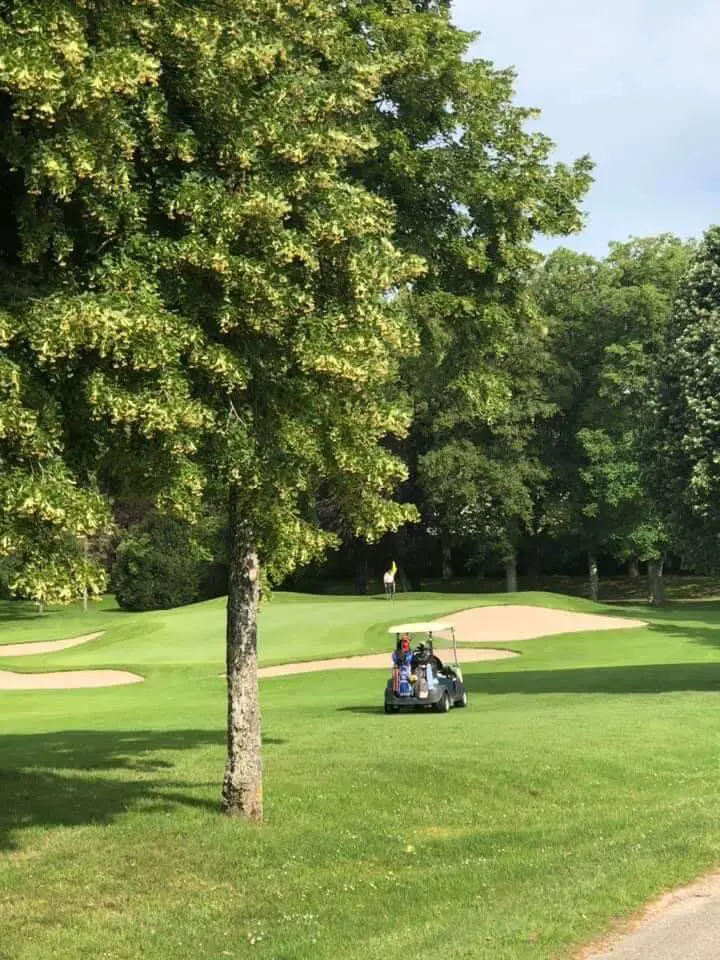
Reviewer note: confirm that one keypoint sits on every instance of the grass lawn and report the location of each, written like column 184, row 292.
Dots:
column 582, row 779
column 292, row 627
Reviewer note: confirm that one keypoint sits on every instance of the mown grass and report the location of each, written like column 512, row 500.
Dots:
column 292, row 627
column 581, row 781
column 611, row 589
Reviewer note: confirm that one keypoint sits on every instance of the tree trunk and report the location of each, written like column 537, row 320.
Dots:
column 656, row 583
column 447, row 570
column 633, row 568
column 534, row 564
column 242, row 787
column 511, row 574
column 361, row 576
column 593, row 574
column 85, row 586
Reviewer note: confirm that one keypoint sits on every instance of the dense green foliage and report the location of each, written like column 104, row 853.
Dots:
column 608, row 322
column 159, row 564
column 201, row 288
column 685, row 444
column 561, row 469
column 199, row 284
column 472, row 187
column 193, row 295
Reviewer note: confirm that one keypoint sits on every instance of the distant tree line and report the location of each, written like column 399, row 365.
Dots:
column 587, row 462
column 565, row 477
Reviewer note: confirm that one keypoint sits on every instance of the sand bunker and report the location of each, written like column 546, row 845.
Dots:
column 375, row 661
column 498, row 624
column 71, row 680
column 47, row 646
column 507, row 624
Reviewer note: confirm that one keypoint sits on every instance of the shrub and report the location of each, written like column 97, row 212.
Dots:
column 160, row 564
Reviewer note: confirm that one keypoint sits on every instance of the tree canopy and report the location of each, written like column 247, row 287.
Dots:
column 683, row 448
column 608, row 320
column 472, row 187
column 209, row 295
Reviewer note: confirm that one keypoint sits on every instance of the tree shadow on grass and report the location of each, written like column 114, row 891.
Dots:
column 702, row 611
column 7, row 616
column 633, row 678
column 706, row 636
column 83, row 777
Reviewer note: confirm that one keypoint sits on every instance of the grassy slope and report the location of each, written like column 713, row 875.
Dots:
column 582, row 779
column 292, row 627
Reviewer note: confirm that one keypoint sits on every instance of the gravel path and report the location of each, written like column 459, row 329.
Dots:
column 682, row 925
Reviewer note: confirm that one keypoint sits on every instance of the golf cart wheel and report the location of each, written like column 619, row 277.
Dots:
column 443, row 705
column 463, row 701
column 390, row 708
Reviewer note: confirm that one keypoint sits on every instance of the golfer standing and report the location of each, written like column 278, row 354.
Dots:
column 389, row 581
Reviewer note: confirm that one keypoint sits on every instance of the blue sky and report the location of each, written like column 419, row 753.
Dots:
column 634, row 83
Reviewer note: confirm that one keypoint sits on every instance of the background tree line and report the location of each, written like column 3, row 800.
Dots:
column 556, row 480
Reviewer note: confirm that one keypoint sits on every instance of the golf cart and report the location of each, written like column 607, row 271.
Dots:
column 419, row 677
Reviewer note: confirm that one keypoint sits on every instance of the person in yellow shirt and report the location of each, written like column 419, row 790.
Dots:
column 389, row 581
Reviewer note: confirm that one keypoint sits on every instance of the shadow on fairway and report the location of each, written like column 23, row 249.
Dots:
column 367, row 709
column 84, row 777
column 7, row 616
column 676, row 614
column 635, row 678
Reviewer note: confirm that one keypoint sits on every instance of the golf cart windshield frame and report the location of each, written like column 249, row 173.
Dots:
column 426, row 630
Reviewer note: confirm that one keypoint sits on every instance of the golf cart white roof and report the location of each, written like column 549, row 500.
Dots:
column 429, row 627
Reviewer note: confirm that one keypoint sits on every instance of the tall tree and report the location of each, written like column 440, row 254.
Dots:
column 608, row 320
column 208, row 295
column 684, row 447
column 480, row 478
column 472, row 187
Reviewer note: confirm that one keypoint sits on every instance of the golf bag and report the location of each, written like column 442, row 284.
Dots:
column 402, row 661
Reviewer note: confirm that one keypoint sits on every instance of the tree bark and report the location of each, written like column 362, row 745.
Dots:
column 593, row 574
column 447, row 570
column 511, row 574
column 361, row 576
column 242, row 787
column 633, row 568
column 534, row 563
column 85, row 586
column 656, row 583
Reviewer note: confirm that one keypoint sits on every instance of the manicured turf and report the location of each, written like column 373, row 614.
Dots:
column 292, row 627
column 582, row 779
